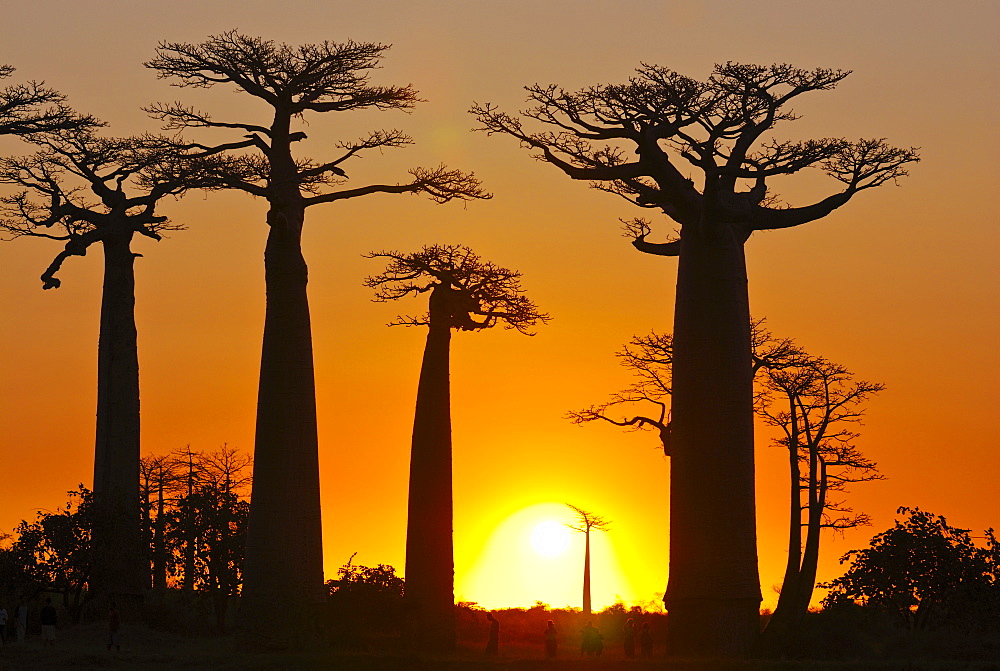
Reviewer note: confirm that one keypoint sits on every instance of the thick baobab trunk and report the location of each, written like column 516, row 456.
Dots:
column 713, row 595
column 430, row 565
column 120, row 569
column 586, row 573
column 283, row 577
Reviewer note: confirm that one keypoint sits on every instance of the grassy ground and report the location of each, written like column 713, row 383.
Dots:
column 84, row 647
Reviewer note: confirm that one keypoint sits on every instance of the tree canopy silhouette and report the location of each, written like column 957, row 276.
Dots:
column 633, row 140
column 587, row 522
column 293, row 81
column 54, row 553
column 29, row 108
column 81, row 189
column 924, row 573
column 465, row 294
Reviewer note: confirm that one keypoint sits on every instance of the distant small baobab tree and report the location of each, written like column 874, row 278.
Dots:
column 465, row 293
column 586, row 522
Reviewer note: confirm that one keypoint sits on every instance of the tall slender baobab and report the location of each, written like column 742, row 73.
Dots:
column 465, row 294
column 816, row 404
column 626, row 139
column 284, row 547
column 82, row 189
column 586, row 522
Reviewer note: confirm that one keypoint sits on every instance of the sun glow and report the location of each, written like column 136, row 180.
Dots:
column 531, row 556
column 550, row 538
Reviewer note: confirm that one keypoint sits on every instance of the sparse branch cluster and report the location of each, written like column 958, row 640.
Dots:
column 815, row 403
column 719, row 128
column 481, row 294
column 649, row 358
column 293, row 80
column 587, row 521
column 29, row 108
column 81, row 188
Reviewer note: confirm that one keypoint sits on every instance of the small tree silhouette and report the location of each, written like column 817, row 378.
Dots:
column 925, row 573
column 292, row 81
column 465, row 294
column 586, row 522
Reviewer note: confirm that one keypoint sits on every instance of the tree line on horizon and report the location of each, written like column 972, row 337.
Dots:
column 82, row 188
column 193, row 517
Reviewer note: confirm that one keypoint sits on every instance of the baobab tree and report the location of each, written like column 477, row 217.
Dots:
column 82, row 189
column 465, row 293
column 26, row 109
column 586, row 522
column 816, row 404
column 627, row 139
column 284, row 547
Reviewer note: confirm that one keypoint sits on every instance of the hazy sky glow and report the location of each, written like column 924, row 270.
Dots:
column 900, row 285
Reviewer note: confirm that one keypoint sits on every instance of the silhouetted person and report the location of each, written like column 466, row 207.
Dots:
column 21, row 621
column 646, row 640
column 550, row 639
column 114, row 624
column 592, row 643
column 47, row 617
column 3, row 625
column 494, row 641
column 628, row 638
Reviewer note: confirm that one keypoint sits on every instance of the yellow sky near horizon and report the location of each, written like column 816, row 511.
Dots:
column 900, row 285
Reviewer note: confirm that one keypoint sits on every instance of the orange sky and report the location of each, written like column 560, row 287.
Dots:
column 900, row 285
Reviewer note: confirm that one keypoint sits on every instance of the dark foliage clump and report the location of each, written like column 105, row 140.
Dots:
column 365, row 607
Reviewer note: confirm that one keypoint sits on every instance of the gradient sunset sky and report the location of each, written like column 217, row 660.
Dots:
column 900, row 285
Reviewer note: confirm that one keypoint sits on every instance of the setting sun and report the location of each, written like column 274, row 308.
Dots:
column 540, row 559
column 550, row 538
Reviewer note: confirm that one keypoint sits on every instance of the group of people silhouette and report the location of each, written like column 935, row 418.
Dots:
column 591, row 640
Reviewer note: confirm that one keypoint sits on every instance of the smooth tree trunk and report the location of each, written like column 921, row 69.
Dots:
column 782, row 619
column 713, row 594
column 430, row 564
column 120, row 568
column 810, row 554
column 586, row 573
column 284, row 550
column 283, row 579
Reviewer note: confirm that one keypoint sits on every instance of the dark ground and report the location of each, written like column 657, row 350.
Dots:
column 83, row 647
